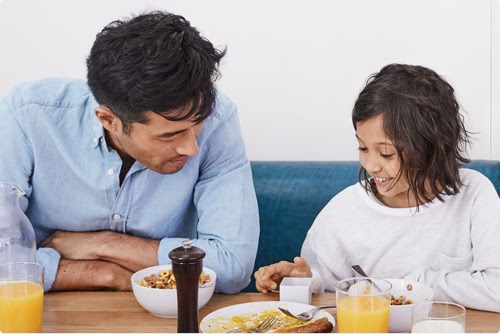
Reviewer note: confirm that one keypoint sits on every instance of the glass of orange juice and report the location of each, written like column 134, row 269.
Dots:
column 21, row 297
column 363, row 305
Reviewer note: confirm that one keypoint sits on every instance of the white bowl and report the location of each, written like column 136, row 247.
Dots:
column 163, row 302
column 400, row 315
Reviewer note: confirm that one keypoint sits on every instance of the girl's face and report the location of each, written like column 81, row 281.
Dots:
column 378, row 156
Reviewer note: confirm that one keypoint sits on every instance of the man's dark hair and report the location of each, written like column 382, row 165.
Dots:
column 154, row 62
column 422, row 118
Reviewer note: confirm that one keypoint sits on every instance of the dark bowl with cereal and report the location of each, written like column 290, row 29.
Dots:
column 155, row 289
column 404, row 294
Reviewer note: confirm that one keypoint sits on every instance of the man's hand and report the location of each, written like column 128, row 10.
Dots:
column 91, row 275
column 130, row 252
column 268, row 278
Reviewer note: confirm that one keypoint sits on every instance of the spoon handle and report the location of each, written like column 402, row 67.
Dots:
column 360, row 272
column 357, row 270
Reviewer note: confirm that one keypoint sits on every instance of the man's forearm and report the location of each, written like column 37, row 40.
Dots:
column 131, row 252
column 91, row 275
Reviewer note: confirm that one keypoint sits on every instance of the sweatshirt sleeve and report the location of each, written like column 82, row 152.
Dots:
column 473, row 280
column 312, row 255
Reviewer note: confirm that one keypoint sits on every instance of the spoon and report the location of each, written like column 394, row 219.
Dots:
column 361, row 273
column 358, row 271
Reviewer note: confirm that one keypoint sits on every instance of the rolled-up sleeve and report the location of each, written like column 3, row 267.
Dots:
column 49, row 259
column 228, row 225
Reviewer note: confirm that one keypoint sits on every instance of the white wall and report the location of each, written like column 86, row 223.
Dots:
column 294, row 68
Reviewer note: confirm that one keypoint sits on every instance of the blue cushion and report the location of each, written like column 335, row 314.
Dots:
column 489, row 168
column 290, row 195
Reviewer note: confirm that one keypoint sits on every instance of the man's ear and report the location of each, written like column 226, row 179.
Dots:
column 107, row 118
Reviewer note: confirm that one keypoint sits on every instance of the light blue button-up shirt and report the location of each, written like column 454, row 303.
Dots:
column 53, row 146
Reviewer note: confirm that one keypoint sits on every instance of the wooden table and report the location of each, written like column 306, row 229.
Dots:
column 105, row 312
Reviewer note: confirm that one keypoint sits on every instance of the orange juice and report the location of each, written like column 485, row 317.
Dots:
column 21, row 307
column 363, row 314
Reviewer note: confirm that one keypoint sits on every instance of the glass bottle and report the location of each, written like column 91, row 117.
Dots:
column 187, row 265
column 17, row 237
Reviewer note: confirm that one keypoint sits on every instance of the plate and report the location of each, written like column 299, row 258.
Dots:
column 220, row 320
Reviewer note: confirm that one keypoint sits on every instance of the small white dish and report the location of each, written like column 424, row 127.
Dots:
column 296, row 289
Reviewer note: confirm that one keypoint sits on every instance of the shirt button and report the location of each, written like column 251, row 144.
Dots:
column 116, row 216
column 110, row 172
column 96, row 140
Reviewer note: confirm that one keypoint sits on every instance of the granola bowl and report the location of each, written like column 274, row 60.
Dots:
column 406, row 293
column 161, row 298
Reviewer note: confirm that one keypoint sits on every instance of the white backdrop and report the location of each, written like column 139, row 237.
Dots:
column 294, row 68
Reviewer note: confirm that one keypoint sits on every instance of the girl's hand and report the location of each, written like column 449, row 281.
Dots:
column 269, row 277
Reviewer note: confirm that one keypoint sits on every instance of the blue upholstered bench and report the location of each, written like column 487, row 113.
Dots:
column 292, row 193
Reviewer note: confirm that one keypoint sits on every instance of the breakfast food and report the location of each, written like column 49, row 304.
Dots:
column 166, row 280
column 284, row 323
column 321, row 325
column 401, row 300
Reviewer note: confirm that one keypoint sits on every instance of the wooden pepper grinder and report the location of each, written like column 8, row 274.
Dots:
column 187, row 265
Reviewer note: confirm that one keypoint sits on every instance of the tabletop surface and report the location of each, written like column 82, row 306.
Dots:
column 113, row 312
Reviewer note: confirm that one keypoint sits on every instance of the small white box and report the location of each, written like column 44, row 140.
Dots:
column 296, row 289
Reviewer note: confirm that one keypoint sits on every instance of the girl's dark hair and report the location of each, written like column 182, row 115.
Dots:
column 154, row 62
column 421, row 116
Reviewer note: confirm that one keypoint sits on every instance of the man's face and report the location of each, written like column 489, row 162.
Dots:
column 160, row 145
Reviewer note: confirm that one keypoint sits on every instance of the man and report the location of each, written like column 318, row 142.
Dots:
column 118, row 175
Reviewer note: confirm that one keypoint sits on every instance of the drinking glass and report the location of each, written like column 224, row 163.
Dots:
column 437, row 317
column 21, row 297
column 363, row 305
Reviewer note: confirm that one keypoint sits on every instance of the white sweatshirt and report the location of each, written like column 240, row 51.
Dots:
column 452, row 246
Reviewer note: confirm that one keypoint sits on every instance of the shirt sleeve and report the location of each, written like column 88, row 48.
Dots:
column 312, row 255
column 49, row 259
column 16, row 165
column 316, row 282
column 228, row 226
column 473, row 280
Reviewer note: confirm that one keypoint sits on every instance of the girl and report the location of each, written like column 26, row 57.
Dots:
column 415, row 213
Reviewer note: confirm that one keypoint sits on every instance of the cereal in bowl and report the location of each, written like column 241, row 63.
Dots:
column 401, row 300
column 166, row 280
